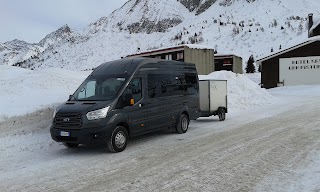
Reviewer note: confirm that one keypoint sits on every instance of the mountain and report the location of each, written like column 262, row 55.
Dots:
column 242, row 27
column 63, row 35
column 197, row 6
column 15, row 51
column 143, row 16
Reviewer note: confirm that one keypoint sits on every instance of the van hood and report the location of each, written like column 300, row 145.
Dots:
column 82, row 107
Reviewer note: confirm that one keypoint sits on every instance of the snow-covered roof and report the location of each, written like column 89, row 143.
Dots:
column 197, row 46
column 310, row 40
column 225, row 55
column 316, row 23
column 191, row 46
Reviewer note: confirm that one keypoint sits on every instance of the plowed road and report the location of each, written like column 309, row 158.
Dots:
column 267, row 149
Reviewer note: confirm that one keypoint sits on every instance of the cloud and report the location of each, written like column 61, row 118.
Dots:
column 33, row 19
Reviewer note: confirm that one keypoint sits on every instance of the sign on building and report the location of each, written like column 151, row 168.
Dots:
column 299, row 71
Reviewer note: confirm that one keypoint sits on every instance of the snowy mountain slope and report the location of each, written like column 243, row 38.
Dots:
column 197, row 6
column 63, row 35
column 237, row 26
column 143, row 16
column 17, row 51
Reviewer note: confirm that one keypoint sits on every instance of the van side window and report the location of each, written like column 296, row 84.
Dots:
column 158, row 85
column 161, row 85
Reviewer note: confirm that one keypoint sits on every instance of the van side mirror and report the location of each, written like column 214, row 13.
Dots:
column 71, row 97
column 131, row 102
column 128, row 99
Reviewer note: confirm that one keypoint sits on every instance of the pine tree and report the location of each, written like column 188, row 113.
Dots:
column 260, row 68
column 250, row 66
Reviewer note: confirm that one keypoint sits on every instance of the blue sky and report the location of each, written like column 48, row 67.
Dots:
column 32, row 20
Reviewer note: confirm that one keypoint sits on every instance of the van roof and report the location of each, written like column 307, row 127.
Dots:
column 128, row 65
column 122, row 66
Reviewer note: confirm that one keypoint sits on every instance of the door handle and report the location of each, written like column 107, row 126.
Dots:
column 140, row 104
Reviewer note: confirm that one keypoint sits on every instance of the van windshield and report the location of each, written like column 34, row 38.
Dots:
column 99, row 88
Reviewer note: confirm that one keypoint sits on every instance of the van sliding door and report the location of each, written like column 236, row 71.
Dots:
column 159, row 102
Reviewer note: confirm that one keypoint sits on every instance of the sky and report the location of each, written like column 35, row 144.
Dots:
column 32, row 20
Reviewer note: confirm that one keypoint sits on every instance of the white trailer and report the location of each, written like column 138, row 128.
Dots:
column 213, row 98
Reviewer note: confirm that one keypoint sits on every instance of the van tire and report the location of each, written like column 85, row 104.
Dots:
column 222, row 114
column 183, row 124
column 118, row 140
column 70, row 145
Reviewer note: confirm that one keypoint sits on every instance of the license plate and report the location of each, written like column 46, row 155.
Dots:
column 64, row 134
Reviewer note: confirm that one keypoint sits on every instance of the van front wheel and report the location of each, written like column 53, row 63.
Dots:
column 119, row 139
column 183, row 124
column 70, row 145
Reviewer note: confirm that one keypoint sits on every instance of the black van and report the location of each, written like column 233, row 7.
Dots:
column 126, row 98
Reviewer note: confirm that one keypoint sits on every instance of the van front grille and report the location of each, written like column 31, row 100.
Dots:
column 67, row 120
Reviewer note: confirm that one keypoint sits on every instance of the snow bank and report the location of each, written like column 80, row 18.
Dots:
column 255, row 77
column 24, row 91
column 242, row 92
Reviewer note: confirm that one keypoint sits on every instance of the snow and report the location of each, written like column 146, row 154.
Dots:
column 27, row 137
column 255, row 77
column 243, row 93
column 197, row 46
column 316, row 23
column 295, row 46
column 300, row 90
column 103, row 40
column 24, row 91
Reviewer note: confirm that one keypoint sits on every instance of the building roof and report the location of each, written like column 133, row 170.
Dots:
column 220, row 55
column 309, row 41
column 316, row 24
column 180, row 47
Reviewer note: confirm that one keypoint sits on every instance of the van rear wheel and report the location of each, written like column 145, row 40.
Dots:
column 119, row 139
column 183, row 124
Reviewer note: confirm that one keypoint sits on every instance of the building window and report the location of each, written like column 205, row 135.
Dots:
column 169, row 57
column 180, row 56
column 174, row 56
column 158, row 57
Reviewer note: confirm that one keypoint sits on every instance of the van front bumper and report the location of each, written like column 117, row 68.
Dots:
column 81, row 136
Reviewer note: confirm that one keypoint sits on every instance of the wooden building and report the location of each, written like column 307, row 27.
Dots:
column 228, row 62
column 297, row 65
column 201, row 56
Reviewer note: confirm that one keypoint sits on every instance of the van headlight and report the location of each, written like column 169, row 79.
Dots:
column 98, row 114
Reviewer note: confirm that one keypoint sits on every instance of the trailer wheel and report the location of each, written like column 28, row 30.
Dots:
column 70, row 145
column 118, row 140
column 183, row 124
column 222, row 114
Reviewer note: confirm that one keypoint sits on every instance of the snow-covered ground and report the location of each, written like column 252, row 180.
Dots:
column 269, row 142
column 24, row 91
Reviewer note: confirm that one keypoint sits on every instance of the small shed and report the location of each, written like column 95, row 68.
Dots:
column 202, row 56
column 228, row 62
